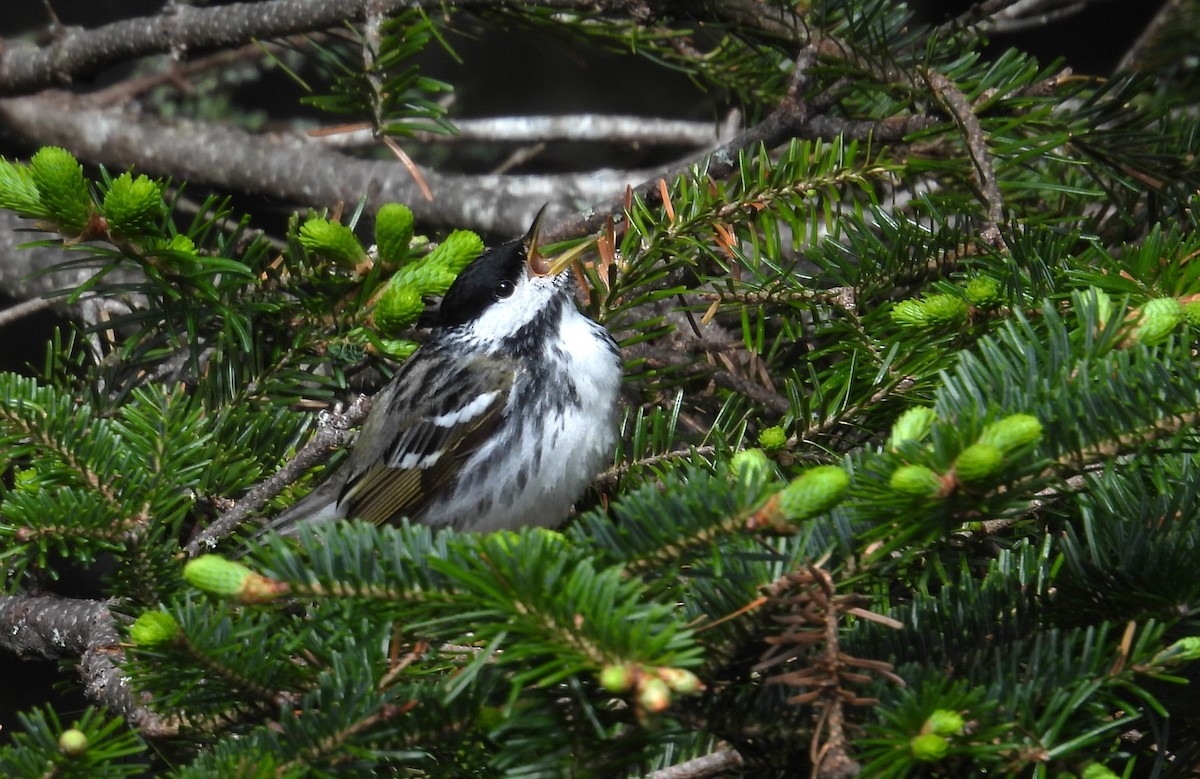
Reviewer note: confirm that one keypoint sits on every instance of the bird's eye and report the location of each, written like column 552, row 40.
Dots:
column 505, row 289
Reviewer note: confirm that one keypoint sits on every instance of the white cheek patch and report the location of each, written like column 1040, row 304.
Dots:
column 466, row 413
column 505, row 318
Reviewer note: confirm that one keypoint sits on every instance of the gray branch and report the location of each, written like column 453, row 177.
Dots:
column 587, row 128
column 231, row 159
column 53, row 628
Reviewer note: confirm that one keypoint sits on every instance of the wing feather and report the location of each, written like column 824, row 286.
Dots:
column 429, row 431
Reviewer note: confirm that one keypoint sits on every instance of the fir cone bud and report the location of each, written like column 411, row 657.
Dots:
column 61, row 189
column 213, row 573
column 333, row 240
column 983, row 292
column 681, row 680
column 750, row 464
column 618, row 678
column 133, row 206
column 978, row 462
column 18, row 192
column 437, row 270
column 397, row 307
column 73, row 742
column 916, row 480
column 654, row 695
column 928, row 747
column 1159, row 319
column 814, row 492
column 154, row 628
column 945, row 310
column 913, row 425
column 181, row 244
column 944, row 722
column 772, row 439
column 1012, row 433
column 1191, row 312
column 909, row 313
column 393, row 232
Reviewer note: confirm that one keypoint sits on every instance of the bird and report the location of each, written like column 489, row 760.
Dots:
column 499, row 420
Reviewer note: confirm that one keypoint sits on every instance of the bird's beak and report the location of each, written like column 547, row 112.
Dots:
column 540, row 265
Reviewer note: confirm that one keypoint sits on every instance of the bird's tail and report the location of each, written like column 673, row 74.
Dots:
column 319, row 505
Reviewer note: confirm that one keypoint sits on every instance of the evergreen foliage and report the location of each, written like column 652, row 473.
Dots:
column 965, row 543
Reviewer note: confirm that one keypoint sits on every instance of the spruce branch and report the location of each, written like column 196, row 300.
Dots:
column 813, row 620
column 794, row 118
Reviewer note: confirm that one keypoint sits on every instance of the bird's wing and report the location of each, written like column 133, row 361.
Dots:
column 431, row 426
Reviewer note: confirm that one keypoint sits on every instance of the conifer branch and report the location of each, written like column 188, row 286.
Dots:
column 793, row 118
column 713, row 764
column 982, row 170
column 332, row 433
column 54, row 628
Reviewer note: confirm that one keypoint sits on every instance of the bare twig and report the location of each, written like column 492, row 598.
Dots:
column 982, row 171
column 1153, row 30
column 1021, row 15
column 24, row 309
column 333, row 433
column 128, row 89
column 812, row 628
column 698, row 768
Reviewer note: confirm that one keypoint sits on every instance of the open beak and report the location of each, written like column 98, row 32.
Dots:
column 540, row 265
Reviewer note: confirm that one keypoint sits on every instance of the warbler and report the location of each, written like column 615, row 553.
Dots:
column 499, row 420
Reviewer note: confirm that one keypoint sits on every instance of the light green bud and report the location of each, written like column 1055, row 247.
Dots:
column 617, row 678
column 916, row 480
column 929, row 747
column 1012, row 432
column 154, row 628
column 945, row 310
column 61, row 189
column 909, row 313
column 944, row 723
column 215, row 574
column 772, row 439
column 133, row 206
column 396, row 308
column 393, row 232
column 814, row 492
column 18, row 192
column 333, row 240
column 913, row 425
column 73, row 742
column 1159, row 319
column 434, row 273
column 983, row 292
column 977, row 462
column 749, row 464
